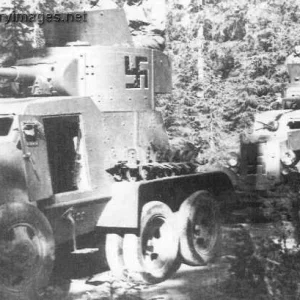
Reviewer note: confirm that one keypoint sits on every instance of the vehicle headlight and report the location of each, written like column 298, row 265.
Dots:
column 233, row 162
column 233, row 159
column 288, row 157
column 273, row 125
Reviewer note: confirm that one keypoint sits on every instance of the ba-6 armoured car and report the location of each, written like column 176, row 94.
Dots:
column 83, row 149
column 270, row 154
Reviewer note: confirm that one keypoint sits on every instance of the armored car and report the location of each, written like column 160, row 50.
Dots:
column 269, row 155
column 84, row 149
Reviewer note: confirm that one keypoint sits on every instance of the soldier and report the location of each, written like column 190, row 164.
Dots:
column 147, row 22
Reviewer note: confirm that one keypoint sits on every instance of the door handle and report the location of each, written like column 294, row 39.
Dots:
column 27, row 156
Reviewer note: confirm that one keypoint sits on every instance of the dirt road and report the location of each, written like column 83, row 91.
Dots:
column 189, row 283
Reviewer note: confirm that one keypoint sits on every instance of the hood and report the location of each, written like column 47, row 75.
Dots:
column 275, row 115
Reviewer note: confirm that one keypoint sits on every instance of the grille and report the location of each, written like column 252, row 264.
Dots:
column 253, row 158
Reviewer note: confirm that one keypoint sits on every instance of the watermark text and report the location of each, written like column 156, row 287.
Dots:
column 42, row 18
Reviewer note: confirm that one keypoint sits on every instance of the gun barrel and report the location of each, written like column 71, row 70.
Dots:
column 17, row 72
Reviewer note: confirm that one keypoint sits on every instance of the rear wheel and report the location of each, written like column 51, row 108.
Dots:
column 199, row 221
column 26, row 251
column 153, row 256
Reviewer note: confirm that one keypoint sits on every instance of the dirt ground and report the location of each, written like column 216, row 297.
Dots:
column 74, row 280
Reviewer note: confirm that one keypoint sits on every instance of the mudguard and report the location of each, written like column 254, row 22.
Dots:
column 123, row 210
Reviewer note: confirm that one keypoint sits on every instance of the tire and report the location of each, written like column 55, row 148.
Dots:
column 228, row 202
column 199, row 227
column 27, row 251
column 153, row 256
column 114, row 254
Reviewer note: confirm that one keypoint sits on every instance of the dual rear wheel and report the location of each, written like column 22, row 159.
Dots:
column 166, row 239
column 199, row 231
column 151, row 257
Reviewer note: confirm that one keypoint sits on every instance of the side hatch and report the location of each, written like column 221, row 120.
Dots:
column 66, row 153
column 34, row 149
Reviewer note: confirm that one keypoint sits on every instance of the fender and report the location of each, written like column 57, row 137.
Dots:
column 124, row 209
column 234, row 178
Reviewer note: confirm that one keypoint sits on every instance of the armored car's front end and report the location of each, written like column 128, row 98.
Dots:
column 271, row 152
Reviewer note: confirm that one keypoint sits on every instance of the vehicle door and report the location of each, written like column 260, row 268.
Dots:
column 35, row 156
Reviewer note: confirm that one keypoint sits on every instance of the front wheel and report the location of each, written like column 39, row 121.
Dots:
column 153, row 256
column 26, row 251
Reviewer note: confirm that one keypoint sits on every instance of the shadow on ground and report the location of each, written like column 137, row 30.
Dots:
column 88, row 278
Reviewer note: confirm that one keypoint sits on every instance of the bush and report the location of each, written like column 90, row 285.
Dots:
column 266, row 262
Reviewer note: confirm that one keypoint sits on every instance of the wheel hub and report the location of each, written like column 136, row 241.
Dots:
column 153, row 242
column 203, row 229
column 19, row 253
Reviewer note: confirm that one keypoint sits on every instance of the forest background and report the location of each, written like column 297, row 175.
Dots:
column 228, row 63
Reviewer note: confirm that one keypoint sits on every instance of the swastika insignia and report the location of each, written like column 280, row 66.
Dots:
column 136, row 71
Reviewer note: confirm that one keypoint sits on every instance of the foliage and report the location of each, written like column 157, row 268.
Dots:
column 265, row 257
column 265, row 269
column 14, row 35
column 20, row 39
column 243, row 49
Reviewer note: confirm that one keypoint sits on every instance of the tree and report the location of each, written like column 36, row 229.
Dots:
column 245, row 46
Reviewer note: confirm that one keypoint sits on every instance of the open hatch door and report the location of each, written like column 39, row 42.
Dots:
column 34, row 149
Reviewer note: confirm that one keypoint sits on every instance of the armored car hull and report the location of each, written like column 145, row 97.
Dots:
column 83, row 149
